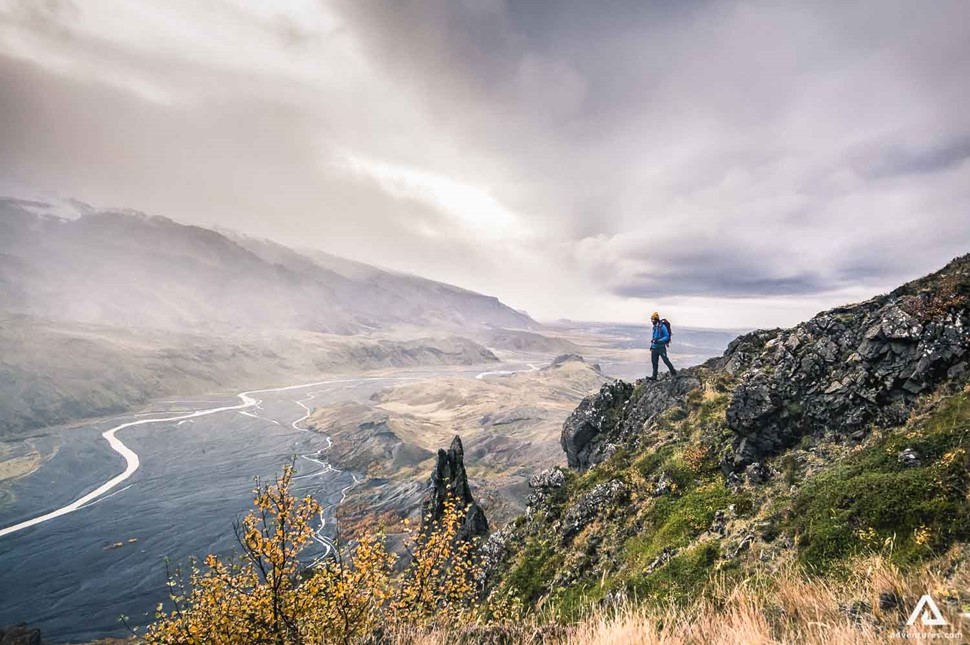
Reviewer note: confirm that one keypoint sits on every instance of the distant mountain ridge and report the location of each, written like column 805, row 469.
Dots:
column 122, row 267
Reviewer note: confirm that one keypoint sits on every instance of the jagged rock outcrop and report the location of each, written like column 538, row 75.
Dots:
column 760, row 456
column 496, row 548
column 450, row 479
column 585, row 432
column 655, row 398
column 543, row 484
column 548, row 478
column 842, row 371
column 597, row 502
column 833, row 376
column 616, row 415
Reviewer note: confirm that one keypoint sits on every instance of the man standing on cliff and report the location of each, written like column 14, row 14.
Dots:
column 658, row 345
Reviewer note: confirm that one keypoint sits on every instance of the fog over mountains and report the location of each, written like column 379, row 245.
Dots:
column 125, row 268
column 102, row 310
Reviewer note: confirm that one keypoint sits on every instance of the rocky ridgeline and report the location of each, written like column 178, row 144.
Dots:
column 845, row 369
column 832, row 377
column 786, row 448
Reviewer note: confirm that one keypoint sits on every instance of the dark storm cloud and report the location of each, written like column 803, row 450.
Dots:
column 566, row 156
column 733, row 282
column 897, row 161
column 719, row 273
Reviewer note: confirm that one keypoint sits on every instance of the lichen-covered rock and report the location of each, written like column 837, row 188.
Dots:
column 596, row 503
column 663, row 486
column 617, row 415
column 847, row 368
column 496, row 548
column 586, row 429
column 654, row 398
column 757, row 473
column 548, row 478
column 543, row 484
column 450, row 479
column 909, row 458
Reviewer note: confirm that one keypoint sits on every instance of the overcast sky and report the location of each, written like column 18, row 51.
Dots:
column 733, row 164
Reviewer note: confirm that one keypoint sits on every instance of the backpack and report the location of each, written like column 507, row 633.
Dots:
column 670, row 332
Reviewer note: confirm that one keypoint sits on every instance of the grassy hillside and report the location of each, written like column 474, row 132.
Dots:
column 676, row 523
column 799, row 451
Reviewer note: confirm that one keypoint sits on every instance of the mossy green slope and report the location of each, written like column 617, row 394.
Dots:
column 661, row 544
column 668, row 499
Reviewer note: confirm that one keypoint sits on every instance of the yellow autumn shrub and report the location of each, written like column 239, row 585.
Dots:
column 269, row 596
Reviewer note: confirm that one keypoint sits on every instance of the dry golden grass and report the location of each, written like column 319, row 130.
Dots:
column 787, row 607
column 784, row 607
column 791, row 607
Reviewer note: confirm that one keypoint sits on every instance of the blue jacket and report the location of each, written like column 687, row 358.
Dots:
column 660, row 336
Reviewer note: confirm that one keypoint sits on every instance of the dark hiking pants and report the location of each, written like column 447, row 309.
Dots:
column 655, row 355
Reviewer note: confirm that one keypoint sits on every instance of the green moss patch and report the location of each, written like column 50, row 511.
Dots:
column 872, row 501
column 534, row 568
column 673, row 521
column 682, row 578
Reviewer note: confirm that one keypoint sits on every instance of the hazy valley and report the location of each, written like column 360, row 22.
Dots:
column 117, row 313
column 106, row 310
